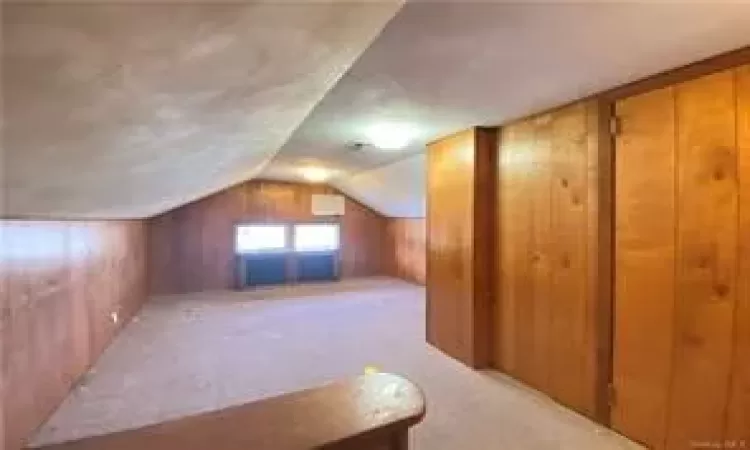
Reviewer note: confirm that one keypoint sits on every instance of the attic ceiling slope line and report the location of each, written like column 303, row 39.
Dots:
column 377, row 188
column 397, row 159
column 339, row 77
column 197, row 97
column 440, row 67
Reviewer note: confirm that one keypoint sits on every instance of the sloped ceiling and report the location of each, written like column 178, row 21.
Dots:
column 127, row 110
column 124, row 110
column 443, row 67
column 397, row 189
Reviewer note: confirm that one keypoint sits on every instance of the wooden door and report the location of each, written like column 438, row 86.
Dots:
column 677, row 254
column 546, row 218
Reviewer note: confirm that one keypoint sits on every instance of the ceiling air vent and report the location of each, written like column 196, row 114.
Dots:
column 357, row 146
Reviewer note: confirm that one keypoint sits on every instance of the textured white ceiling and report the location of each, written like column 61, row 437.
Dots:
column 128, row 109
column 396, row 190
column 442, row 67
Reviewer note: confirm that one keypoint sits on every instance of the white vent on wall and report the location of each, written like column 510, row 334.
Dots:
column 328, row 205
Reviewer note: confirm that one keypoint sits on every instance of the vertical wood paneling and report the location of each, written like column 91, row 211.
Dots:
column 363, row 234
column 513, row 259
column 460, row 220
column 406, row 247
column 706, row 259
column 450, row 206
column 645, row 257
column 486, row 149
column 544, row 334
column 569, row 258
column 537, row 308
column 600, row 253
column 682, row 303
column 192, row 247
column 738, row 426
column 64, row 279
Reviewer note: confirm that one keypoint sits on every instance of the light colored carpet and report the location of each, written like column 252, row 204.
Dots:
column 191, row 353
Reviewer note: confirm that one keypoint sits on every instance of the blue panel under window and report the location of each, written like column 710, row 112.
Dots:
column 265, row 269
column 317, row 266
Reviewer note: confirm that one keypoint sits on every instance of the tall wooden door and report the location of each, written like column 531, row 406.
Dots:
column 544, row 333
column 681, row 304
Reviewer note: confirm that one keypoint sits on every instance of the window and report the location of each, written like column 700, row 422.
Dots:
column 316, row 237
column 260, row 238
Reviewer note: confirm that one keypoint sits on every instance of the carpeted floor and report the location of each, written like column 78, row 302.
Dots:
column 192, row 353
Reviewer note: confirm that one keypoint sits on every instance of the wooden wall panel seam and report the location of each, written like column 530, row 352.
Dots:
column 457, row 165
column 707, row 242
column 642, row 346
column 603, row 250
column 738, row 264
column 738, row 409
column 676, row 275
column 67, row 277
column 546, row 254
column 483, row 200
column 707, row 231
column 201, row 256
column 405, row 249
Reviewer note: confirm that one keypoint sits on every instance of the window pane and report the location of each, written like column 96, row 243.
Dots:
column 316, row 237
column 254, row 238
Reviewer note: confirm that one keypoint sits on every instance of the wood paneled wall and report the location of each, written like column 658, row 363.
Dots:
column 738, row 421
column 192, row 247
column 406, row 249
column 545, row 332
column 681, row 318
column 460, row 237
column 62, row 281
column 682, row 226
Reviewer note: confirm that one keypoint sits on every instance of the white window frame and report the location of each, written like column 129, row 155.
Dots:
column 293, row 242
column 285, row 248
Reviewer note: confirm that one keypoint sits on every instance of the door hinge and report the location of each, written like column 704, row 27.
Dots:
column 615, row 126
column 611, row 394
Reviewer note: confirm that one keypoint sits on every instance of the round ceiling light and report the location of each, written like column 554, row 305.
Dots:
column 390, row 136
column 315, row 174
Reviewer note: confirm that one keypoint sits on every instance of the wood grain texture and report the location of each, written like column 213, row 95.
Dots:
column 645, row 258
column 570, row 225
column 545, row 316
column 601, row 211
column 370, row 412
column 362, row 237
column 512, row 243
column 459, row 298
column 669, row 78
column 450, row 228
column 192, row 247
column 486, row 146
column 738, row 423
column 681, row 314
column 706, row 259
column 406, row 249
column 534, row 311
column 64, row 280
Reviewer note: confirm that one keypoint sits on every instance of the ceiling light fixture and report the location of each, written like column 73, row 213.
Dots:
column 315, row 174
column 390, row 136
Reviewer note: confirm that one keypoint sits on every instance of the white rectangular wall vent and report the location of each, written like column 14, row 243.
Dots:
column 328, row 205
